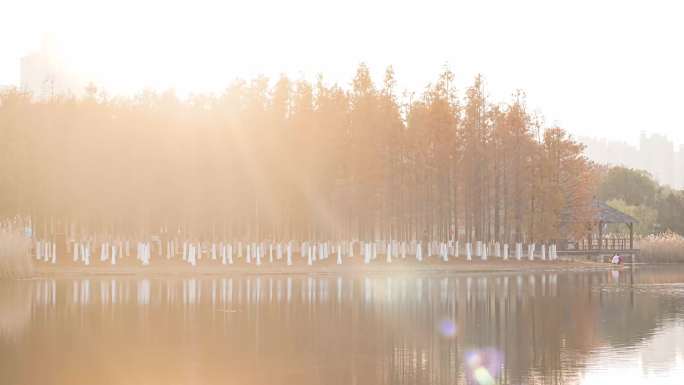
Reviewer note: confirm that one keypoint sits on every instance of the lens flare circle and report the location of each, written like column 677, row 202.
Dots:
column 447, row 328
column 483, row 365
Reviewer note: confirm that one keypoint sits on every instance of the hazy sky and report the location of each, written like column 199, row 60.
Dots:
column 599, row 68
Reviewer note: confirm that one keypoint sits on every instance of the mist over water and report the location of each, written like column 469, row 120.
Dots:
column 546, row 328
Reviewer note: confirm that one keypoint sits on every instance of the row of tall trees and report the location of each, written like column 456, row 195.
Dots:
column 294, row 160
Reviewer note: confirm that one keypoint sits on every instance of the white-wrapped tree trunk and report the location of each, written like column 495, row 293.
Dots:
column 85, row 254
column 258, row 254
column 289, row 254
column 531, row 249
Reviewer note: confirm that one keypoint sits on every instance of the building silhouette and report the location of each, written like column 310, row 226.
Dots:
column 655, row 154
column 679, row 168
column 44, row 76
column 658, row 157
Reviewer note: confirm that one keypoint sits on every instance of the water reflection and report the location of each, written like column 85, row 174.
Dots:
column 375, row 329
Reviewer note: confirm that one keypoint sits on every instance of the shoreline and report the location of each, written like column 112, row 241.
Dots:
column 323, row 268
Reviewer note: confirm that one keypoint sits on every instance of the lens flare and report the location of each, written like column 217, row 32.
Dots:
column 483, row 366
column 483, row 377
column 447, row 328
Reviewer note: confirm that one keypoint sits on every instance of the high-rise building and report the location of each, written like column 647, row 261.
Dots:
column 43, row 75
column 655, row 154
column 679, row 170
column 659, row 157
column 611, row 152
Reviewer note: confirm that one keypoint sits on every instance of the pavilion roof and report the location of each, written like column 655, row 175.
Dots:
column 607, row 214
column 602, row 213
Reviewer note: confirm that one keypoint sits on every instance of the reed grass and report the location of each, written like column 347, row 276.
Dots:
column 664, row 247
column 15, row 257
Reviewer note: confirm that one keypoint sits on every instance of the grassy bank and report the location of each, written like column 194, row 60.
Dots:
column 352, row 265
column 15, row 259
column 665, row 247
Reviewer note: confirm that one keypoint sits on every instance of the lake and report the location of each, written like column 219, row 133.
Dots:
column 599, row 327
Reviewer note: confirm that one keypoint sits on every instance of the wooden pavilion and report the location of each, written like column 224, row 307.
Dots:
column 596, row 242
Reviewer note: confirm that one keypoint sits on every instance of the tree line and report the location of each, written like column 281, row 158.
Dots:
column 292, row 159
column 658, row 208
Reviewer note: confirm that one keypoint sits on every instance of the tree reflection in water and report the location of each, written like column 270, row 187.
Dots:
column 369, row 329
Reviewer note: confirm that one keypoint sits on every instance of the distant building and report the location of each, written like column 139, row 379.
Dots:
column 44, row 76
column 612, row 152
column 679, row 170
column 655, row 154
column 659, row 157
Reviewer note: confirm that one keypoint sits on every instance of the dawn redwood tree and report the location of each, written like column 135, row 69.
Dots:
column 291, row 160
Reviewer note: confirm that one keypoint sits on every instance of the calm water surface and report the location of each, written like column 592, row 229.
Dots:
column 605, row 327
